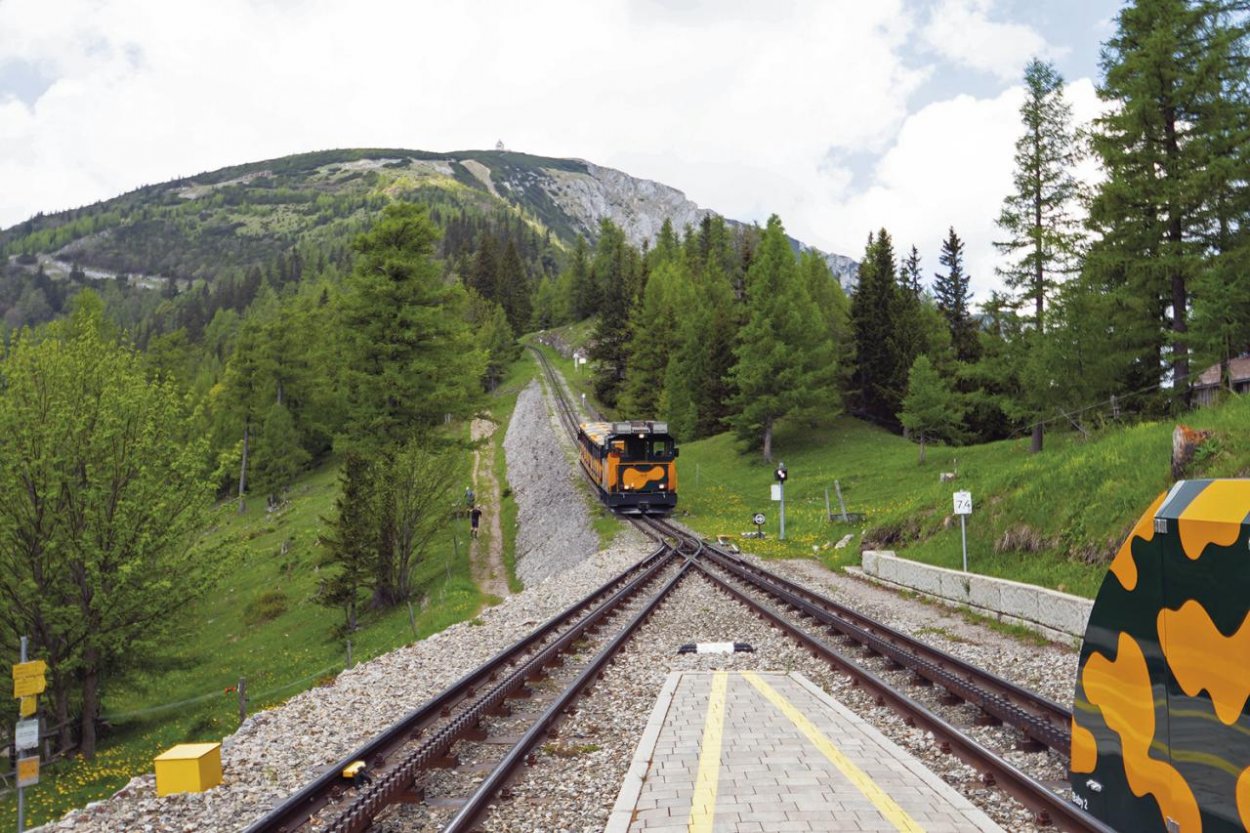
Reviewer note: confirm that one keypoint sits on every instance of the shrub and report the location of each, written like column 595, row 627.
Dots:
column 269, row 606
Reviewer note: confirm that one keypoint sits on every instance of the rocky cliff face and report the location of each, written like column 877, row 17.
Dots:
column 637, row 206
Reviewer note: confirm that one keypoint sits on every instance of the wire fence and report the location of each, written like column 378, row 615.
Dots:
column 216, row 695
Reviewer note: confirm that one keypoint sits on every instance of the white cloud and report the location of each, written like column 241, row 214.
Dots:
column 962, row 32
column 950, row 166
column 735, row 109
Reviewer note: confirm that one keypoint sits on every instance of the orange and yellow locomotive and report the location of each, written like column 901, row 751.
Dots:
column 633, row 464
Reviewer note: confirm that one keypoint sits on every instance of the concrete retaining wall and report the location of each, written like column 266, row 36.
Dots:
column 1058, row 616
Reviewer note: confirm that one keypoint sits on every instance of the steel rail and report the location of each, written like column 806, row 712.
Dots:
column 1040, row 719
column 1049, row 723
column 503, row 772
column 296, row 810
column 1048, row 807
column 399, row 778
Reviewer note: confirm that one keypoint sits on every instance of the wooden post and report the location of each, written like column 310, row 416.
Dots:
column 242, row 699
column 828, row 514
column 349, row 653
column 841, row 502
column 412, row 619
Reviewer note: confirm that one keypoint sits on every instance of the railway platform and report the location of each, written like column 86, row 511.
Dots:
column 746, row 752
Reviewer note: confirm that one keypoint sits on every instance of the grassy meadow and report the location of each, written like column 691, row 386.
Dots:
column 1052, row 519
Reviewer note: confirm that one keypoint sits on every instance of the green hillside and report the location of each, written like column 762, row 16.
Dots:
column 1053, row 519
column 262, row 623
column 234, row 218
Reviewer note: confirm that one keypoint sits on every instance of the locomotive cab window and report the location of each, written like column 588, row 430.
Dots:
column 647, row 448
column 661, row 450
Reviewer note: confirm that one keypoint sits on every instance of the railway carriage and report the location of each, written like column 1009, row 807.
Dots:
column 1161, row 718
column 633, row 464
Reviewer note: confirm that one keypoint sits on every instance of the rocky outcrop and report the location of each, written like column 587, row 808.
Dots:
column 638, row 206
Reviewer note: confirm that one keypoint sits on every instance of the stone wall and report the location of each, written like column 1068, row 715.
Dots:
column 1058, row 616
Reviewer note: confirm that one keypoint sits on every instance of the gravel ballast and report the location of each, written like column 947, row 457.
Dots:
column 553, row 521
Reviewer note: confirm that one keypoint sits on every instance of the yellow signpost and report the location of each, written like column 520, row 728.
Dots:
column 29, row 681
column 28, row 771
column 28, row 678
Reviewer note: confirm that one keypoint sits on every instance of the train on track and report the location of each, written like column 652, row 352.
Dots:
column 1161, row 717
column 633, row 465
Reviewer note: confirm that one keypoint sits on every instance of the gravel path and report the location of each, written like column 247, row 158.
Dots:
column 553, row 520
column 488, row 568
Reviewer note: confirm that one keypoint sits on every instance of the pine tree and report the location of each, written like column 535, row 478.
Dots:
column 653, row 332
column 785, row 356
column 351, row 540
column 584, row 295
column 1042, row 234
column 910, row 273
column 484, row 272
column 279, row 457
column 880, row 376
column 1175, row 70
column 952, row 291
column 931, row 409
column 410, row 353
column 513, row 289
column 617, row 274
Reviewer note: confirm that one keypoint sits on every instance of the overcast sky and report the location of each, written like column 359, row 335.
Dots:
column 841, row 116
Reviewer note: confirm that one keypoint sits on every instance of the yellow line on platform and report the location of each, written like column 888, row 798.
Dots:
column 703, row 805
column 893, row 813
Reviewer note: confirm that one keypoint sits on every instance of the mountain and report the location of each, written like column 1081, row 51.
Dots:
column 235, row 218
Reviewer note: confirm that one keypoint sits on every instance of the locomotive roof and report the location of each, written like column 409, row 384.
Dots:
column 602, row 432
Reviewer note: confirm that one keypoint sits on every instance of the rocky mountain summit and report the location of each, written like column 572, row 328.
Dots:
column 236, row 217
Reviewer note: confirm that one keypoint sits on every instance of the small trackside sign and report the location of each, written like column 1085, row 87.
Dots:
column 963, row 503
column 26, row 734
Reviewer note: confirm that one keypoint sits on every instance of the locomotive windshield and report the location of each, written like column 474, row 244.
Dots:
column 650, row 448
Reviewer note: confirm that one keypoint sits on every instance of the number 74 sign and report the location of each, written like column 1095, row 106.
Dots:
column 963, row 503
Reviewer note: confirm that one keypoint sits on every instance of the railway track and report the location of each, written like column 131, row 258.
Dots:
column 494, row 718
column 1042, row 723
column 398, row 757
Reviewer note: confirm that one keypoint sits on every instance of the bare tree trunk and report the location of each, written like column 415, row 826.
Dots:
column 243, row 467
column 90, row 701
column 922, row 448
column 60, row 694
column 1036, row 445
column 768, row 440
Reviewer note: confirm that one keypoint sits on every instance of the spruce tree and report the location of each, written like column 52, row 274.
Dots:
column 785, row 356
column 880, row 376
column 653, row 332
column 698, row 386
column 910, row 274
column 585, row 297
column 616, row 272
column 931, row 409
column 513, row 289
column 952, row 291
column 1043, row 238
column 484, row 272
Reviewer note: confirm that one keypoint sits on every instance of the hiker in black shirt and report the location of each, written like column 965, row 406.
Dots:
column 475, row 514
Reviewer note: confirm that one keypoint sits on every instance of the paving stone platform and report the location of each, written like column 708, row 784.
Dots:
column 742, row 752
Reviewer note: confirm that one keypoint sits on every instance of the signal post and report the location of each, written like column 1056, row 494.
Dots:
column 781, row 474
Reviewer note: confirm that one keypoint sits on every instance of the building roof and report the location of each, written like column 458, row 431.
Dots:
column 1238, row 367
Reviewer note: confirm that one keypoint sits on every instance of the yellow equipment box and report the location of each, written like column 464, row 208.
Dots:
column 188, row 768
